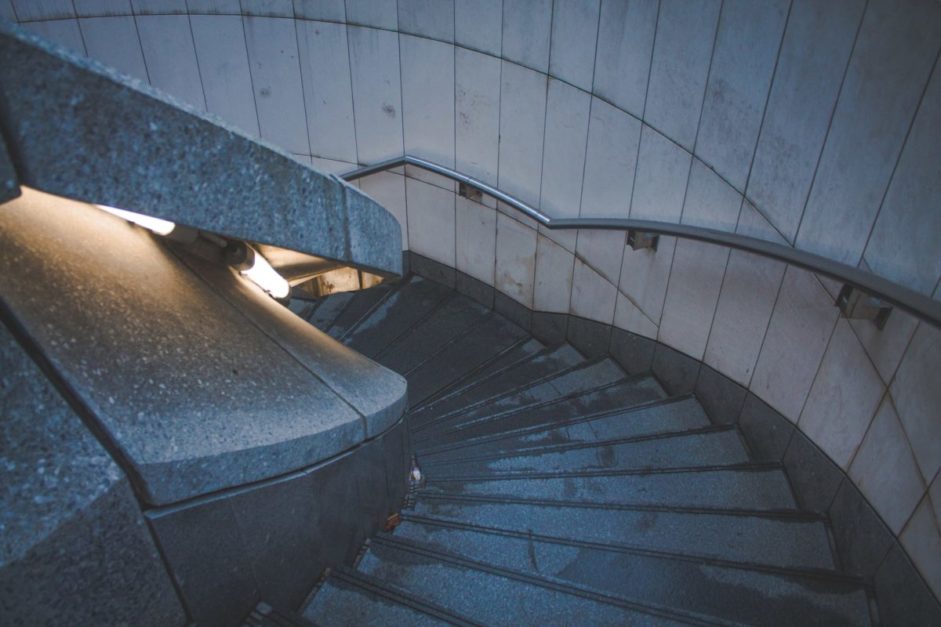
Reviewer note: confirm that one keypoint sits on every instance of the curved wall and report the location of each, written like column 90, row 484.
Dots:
column 811, row 123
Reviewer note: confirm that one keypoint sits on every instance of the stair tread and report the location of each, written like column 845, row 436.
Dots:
column 451, row 319
column 764, row 489
column 341, row 602
column 493, row 597
column 756, row 539
column 357, row 307
column 493, row 335
column 709, row 448
column 790, row 597
column 649, row 418
column 518, row 376
column 610, row 396
column 410, row 303
column 328, row 309
column 567, row 382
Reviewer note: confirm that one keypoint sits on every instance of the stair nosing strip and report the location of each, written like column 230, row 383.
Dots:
column 796, row 515
column 576, row 446
column 516, row 390
column 409, row 546
column 540, row 404
column 561, row 423
column 377, row 586
column 824, row 574
column 675, row 470
column 453, row 340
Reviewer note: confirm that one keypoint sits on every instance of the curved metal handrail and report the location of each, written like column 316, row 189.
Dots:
column 913, row 302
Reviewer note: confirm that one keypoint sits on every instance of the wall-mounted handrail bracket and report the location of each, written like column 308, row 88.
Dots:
column 639, row 240
column 856, row 304
column 465, row 190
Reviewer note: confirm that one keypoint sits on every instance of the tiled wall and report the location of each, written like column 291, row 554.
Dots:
column 816, row 124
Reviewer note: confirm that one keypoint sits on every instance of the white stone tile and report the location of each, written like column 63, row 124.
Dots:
column 266, row 8
column 511, row 212
column 167, row 42
column 477, row 113
column 163, row 7
column 685, row 34
column 903, row 246
column 710, row 201
column 554, row 266
column 593, row 297
column 886, row 347
column 377, row 94
column 885, row 470
column 214, row 7
column 742, row 66
column 522, row 125
column 516, row 259
column 428, row 99
column 432, row 178
column 114, row 42
column 428, row 18
column 476, row 240
column 574, row 32
column 742, row 314
column 328, row 92
column 430, row 221
column 602, row 250
column 644, row 276
column 610, row 159
column 896, row 47
column 625, row 44
column 563, row 160
column 43, row 9
column 660, row 184
column 800, row 326
column 917, row 397
column 376, row 13
column 814, row 53
column 843, row 399
column 333, row 166
column 223, row 67
column 276, row 79
column 478, row 24
column 693, row 291
column 329, row 10
column 629, row 317
column 746, row 302
column 308, row 161
column 566, row 238
column 388, row 189
column 63, row 32
column 922, row 540
column 526, row 25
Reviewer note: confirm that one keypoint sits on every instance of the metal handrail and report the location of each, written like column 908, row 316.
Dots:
column 913, row 302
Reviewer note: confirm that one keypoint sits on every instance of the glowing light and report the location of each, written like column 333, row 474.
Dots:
column 158, row 226
column 266, row 277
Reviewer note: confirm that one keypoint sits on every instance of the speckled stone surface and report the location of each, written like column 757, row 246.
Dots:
column 376, row 393
column 194, row 396
column 73, row 545
column 81, row 130
column 9, row 187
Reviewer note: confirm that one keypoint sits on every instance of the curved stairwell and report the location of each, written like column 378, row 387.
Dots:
column 560, row 490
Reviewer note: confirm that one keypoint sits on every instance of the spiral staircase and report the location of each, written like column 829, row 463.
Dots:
column 557, row 489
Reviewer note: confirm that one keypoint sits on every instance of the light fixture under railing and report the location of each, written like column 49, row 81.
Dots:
column 253, row 266
column 158, row 226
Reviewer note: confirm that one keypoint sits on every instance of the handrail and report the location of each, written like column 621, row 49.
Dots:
column 913, row 302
